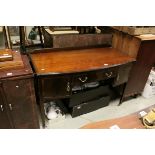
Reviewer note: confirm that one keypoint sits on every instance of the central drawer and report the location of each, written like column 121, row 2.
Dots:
column 93, row 76
column 83, row 78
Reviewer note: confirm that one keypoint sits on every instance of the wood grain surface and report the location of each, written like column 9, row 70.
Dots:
column 17, row 62
column 24, row 70
column 6, row 55
column 131, row 121
column 77, row 60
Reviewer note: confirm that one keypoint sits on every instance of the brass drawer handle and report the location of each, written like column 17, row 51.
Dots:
column 10, row 106
column 68, row 87
column 2, row 108
column 108, row 74
column 84, row 79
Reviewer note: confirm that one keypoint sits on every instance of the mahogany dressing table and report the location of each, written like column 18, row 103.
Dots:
column 59, row 70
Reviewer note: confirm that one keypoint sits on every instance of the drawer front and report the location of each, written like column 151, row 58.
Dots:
column 54, row 87
column 88, row 95
column 83, row 78
column 90, row 106
column 108, row 73
column 104, row 74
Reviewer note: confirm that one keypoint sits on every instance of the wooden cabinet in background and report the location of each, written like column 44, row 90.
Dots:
column 17, row 98
column 142, row 48
column 20, row 100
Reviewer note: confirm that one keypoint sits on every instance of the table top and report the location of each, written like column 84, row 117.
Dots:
column 131, row 121
column 69, row 61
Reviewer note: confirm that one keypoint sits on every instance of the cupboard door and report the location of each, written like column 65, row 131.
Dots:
column 53, row 87
column 4, row 121
column 21, row 102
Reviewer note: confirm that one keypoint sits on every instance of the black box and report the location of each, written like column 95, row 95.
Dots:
column 90, row 106
column 87, row 95
column 88, row 100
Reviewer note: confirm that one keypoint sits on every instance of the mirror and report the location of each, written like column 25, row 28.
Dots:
column 14, row 36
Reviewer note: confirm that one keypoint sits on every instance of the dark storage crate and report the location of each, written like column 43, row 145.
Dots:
column 90, row 106
column 88, row 95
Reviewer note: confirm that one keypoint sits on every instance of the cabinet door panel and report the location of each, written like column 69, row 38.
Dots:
column 4, row 121
column 21, row 102
column 55, row 87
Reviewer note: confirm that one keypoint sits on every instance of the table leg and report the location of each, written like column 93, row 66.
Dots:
column 122, row 96
column 42, row 111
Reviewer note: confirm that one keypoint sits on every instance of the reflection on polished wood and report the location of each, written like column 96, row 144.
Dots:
column 6, row 55
column 16, row 63
column 131, row 121
column 77, row 60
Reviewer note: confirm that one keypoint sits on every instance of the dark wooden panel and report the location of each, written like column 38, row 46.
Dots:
column 21, row 102
column 53, row 87
column 123, row 74
column 4, row 120
column 62, row 61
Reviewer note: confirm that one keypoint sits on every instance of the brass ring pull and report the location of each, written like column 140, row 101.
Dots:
column 108, row 75
column 2, row 108
column 84, row 79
